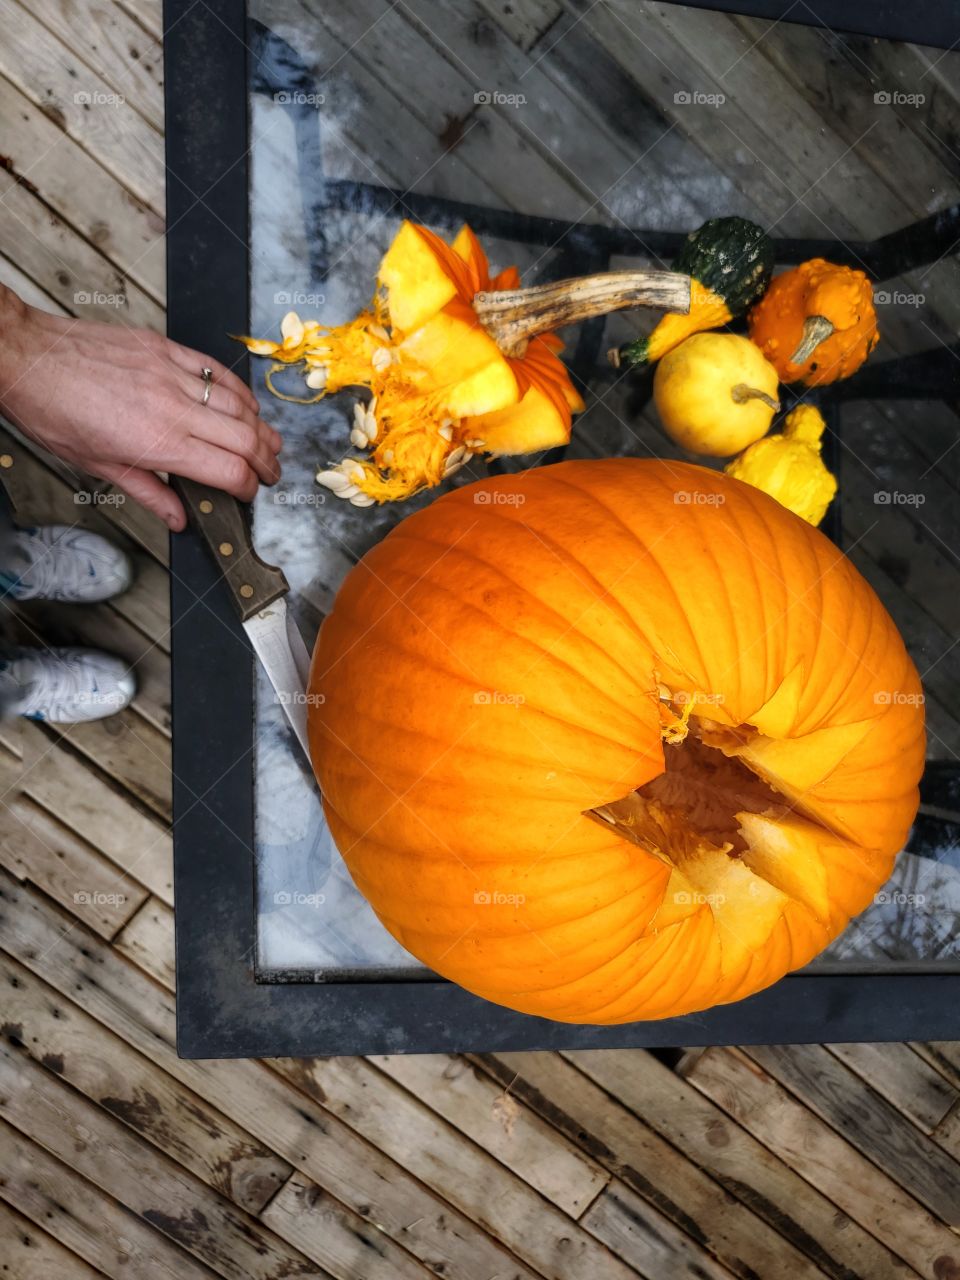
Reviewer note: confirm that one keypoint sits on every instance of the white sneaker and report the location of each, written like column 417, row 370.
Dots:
column 64, row 686
column 58, row 562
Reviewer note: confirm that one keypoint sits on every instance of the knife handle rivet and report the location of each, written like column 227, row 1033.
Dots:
column 6, row 460
column 246, row 591
column 226, row 548
column 206, row 506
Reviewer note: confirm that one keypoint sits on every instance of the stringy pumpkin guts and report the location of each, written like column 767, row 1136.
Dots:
column 441, row 388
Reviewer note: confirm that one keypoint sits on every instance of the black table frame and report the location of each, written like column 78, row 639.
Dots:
column 222, row 1010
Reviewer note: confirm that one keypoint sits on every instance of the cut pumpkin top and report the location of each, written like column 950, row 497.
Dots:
column 442, row 387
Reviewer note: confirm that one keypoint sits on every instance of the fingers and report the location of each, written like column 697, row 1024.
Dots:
column 147, row 489
column 219, row 468
column 223, row 402
column 252, row 441
column 194, row 362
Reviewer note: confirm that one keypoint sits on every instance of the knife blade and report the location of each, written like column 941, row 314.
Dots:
column 259, row 592
column 283, row 656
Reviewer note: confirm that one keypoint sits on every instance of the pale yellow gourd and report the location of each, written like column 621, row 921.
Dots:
column 715, row 394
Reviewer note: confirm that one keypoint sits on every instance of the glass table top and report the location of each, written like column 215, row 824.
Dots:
column 573, row 137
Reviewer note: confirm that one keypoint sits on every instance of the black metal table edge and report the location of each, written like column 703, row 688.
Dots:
column 927, row 22
column 222, row 1011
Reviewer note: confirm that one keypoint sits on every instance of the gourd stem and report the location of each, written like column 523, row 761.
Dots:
column 513, row 316
column 816, row 329
column 741, row 393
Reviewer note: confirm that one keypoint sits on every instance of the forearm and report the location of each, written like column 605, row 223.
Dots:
column 13, row 313
column 27, row 339
column 124, row 404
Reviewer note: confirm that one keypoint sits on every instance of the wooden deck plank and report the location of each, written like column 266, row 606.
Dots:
column 460, row 134
column 69, row 959
column 636, row 110
column 500, row 1125
column 733, row 1197
column 312, row 1220
column 128, row 749
column 105, row 1152
column 636, row 177
column 821, row 1155
column 947, row 1133
column 148, row 13
column 868, row 1123
column 912, row 69
column 82, row 192
column 782, row 124
column 143, row 940
column 83, row 801
column 814, row 62
column 83, row 1219
column 524, row 21
column 903, row 1078
column 945, row 1056
column 55, row 79
column 774, row 149
column 61, row 1037
column 635, row 1231
column 891, row 537
column 113, row 46
column 471, row 1180
column 34, row 846
column 29, row 1253
column 68, row 267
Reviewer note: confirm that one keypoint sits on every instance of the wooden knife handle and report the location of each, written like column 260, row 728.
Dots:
column 225, row 527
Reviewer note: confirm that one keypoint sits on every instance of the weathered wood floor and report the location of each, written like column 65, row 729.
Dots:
column 119, row 1159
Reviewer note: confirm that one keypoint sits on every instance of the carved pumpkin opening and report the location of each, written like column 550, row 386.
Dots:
column 733, row 842
column 691, row 808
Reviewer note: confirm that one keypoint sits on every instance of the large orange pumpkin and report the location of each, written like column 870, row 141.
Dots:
column 614, row 740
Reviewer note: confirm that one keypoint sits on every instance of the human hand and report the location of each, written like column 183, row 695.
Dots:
column 124, row 404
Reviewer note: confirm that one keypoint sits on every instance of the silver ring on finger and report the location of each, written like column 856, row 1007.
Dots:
column 207, row 376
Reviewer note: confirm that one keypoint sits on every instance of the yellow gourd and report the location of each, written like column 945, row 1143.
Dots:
column 788, row 466
column 715, row 394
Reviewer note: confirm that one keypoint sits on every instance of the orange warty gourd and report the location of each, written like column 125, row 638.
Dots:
column 614, row 740
column 816, row 323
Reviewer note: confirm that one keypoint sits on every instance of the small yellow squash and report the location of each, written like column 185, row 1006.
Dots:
column 715, row 394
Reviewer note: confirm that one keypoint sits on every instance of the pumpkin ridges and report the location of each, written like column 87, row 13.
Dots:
column 473, row 684
column 524, row 963
column 500, row 571
column 617, row 975
column 651, row 560
column 459, row 799
column 821, row 555
column 750, row 536
column 674, row 952
column 877, row 632
column 564, row 555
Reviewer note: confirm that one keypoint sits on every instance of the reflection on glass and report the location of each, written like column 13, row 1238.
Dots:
column 574, row 142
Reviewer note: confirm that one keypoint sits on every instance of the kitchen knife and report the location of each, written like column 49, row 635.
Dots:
column 259, row 592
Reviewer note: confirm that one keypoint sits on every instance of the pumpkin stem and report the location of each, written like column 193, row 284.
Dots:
column 741, row 393
column 816, row 329
column 513, row 316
